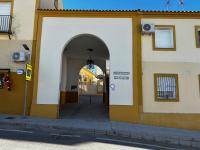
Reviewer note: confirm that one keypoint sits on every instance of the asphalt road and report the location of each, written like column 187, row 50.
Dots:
column 33, row 140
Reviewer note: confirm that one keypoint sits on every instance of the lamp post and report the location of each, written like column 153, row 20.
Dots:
column 26, row 82
column 90, row 62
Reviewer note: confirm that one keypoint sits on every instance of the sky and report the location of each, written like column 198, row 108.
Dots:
column 130, row 4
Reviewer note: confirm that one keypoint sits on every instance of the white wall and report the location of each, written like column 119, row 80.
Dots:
column 185, row 62
column 49, row 4
column 186, row 50
column 23, row 19
column 63, row 82
column 115, row 32
column 60, row 4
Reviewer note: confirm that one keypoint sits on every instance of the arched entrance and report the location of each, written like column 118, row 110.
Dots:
column 80, row 97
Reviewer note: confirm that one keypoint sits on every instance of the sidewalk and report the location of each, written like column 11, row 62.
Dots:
column 74, row 126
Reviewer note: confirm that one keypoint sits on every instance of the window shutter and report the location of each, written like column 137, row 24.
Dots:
column 5, row 8
column 164, row 38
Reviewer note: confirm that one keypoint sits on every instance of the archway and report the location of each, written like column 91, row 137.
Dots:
column 89, row 51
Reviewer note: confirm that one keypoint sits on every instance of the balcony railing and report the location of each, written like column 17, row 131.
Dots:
column 5, row 24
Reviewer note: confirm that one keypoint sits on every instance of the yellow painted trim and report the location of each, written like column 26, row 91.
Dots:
column 36, row 57
column 184, row 121
column 197, row 28
column 124, row 113
column 37, row 4
column 12, row 102
column 156, row 75
column 33, row 56
column 115, row 14
column 171, row 15
column 137, row 56
column 45, row 110
column 199, row 83
column 174, row 38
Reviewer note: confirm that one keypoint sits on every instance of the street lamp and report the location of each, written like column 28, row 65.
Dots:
column 26, row 82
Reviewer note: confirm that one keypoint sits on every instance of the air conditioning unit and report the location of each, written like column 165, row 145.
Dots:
column 19, row 56
column 148, row 28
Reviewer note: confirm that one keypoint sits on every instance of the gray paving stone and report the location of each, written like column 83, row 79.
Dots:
column 136, row 136
column 100, row 132
column 174, row 141
column 111, row 133
column 185, row 143
column 196, row 144
column 162, row 139
column 196, row 139
column 123, row 133
column 149, row 137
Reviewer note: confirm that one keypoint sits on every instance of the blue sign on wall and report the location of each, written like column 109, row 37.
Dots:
column 20, row 71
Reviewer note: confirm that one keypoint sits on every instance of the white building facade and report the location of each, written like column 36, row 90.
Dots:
column 153, row 77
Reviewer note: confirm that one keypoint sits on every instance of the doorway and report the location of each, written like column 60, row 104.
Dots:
column 85, row 79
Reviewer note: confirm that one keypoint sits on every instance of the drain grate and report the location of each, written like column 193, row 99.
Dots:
column 10, row 117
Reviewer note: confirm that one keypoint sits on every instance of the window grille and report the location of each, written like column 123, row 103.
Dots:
column 5, row 17
column 166, row 87
column 5, row 24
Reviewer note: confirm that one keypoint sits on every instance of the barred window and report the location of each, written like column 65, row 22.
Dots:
column 5, row 18
column 166, row 87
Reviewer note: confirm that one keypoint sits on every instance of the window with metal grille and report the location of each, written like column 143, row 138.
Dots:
column 166, row 87
column 5, row 17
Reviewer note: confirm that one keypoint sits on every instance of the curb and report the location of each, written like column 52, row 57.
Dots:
column 137, row 135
